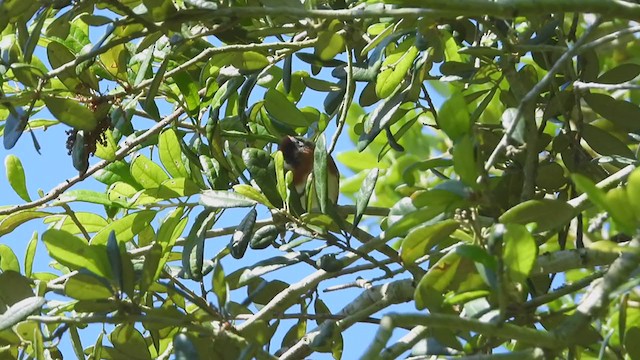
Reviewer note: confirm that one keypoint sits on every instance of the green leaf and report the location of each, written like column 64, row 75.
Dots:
column 130, row 342
column 149, row 104
column 329, row 45
column 75, row 253
column 364, row 194
column 8, row 259
column 282, row 109
column 604, row 143
column 281, row 181
column 15, row 175
column 115, row 61
column 10, row 222
column 89, row 196
column 147, row 173
column 631, row 342
column 125, row 228
column 83, row 286
column 624, row 114
column 219, row 285
column 320, row 173
column 618, row 205
column 421, row 240
column 262, row 170
column 520, row 252
column 547, row 214
column 193, row 250
column 27, row 74
column 263, row 237
column 116, row 171
column 453, row 117
column 189, row 89
column 594, row 194
column 249, row 60
column 170, row 229
column 464, row 161
column 619, row 74
column 381, row 117
column 398, row 65
column 430, row 289
column 14, row 126
column 80, row 153
column 171, row 154
column 152, row 261
column 115, row 259
column 71, row 112
column 242, row 234
column 59, row 55
column 107, row 151
column 30, row 254
column 633, row 192
column 224, row 199
column 90, row 221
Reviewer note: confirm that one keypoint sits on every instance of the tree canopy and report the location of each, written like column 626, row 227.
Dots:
column 489, row 198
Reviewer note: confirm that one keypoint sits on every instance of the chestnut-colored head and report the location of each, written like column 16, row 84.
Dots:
column 298, row 157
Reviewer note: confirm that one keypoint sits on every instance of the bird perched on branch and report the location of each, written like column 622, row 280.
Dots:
column 298, row 154
column 298, row 158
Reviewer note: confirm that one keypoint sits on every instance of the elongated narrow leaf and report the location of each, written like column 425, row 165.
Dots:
column 14, row 126
column 320, row 173
column 242, row 234
column 115, row 259
column 30, row 254
column 152, row 260
column 149, row 104
column 15, row 175
column 547, row 214
column 193, row 250
column 10, row 222
column 224, row 199
column 364, row 194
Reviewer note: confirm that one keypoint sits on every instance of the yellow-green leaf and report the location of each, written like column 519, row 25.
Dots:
column 16, row 177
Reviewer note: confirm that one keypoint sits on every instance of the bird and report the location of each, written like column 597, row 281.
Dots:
column 298, row 158
column 298, row 155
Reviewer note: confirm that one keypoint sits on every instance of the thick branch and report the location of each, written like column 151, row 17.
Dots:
column 597, row 298
column 441, row 8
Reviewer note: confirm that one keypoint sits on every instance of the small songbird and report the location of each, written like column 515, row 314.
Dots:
column 298, row 158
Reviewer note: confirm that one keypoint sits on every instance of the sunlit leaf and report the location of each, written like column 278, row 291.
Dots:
column 16, row 177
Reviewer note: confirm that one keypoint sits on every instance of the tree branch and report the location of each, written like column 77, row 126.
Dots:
column 597, row 298
column 528, row 101
column 120, row 154
column 440, row 8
